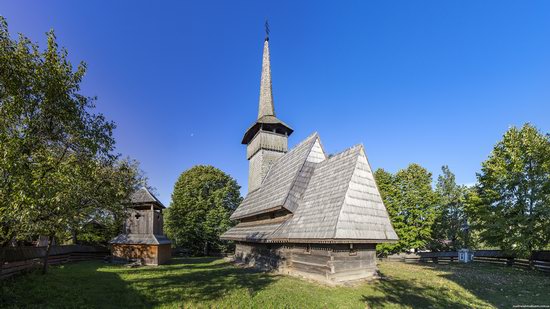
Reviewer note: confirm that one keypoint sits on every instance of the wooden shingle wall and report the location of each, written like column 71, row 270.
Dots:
column 267, row 140
column 326, row 263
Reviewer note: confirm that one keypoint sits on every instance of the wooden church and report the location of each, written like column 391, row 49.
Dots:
column 143, row 237
column 306, row 213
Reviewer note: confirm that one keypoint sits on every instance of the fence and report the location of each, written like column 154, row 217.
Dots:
column 22, row 259
column 540, row 260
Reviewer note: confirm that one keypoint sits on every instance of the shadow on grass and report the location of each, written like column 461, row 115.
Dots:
column 97, row 285
column 187, row 263
column 413, row 294
column 499, row 285
column 198, row 280
column 75, row 285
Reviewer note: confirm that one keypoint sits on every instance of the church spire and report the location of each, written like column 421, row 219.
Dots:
column 267, row 139
column 267, row 121
column 266, row 94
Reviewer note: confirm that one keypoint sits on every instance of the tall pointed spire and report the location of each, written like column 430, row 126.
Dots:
column 266, row 94
column 267, row 121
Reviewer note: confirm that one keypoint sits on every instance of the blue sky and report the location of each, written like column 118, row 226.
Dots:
column 431, row 82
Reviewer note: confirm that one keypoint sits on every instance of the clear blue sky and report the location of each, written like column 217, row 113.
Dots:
column 431, row 82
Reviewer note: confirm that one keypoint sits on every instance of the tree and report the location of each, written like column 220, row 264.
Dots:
column 202, row 201
column 448, row 230
column 386, row 183
column 513, row 203
column 411, row 204
column 100, row 200
column 53, row 149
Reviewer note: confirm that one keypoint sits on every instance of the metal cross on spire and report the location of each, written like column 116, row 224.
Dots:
column 266, row 30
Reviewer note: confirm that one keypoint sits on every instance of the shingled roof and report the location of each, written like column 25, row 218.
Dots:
column 144, row 196
column 141, row 239
column 278, row 183
column 328, row 199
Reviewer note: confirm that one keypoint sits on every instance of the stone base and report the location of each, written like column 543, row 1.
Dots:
column 326, row 263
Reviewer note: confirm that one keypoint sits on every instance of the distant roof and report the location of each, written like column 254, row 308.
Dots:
column 328, row 200
column 140, row 239
column 144, row 196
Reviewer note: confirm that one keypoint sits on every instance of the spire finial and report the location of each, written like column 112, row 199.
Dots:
column 266, row 30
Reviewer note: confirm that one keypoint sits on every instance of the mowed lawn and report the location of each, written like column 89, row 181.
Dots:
column 213, row 283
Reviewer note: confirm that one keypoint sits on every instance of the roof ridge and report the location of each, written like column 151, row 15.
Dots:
column 304, row 146
column 150, row 196
column 345, row 152
column 364, row 152
column 350, row 177
column 305, row 140
column 280, row 158
column 313, row 137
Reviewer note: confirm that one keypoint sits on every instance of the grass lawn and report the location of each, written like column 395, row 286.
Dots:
column 213, row 283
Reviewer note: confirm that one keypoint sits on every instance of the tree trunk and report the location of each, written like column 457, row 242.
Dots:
column 531, row 262
column 47, row 255
column 75, row 238
column 2, row 257
column 205, row 249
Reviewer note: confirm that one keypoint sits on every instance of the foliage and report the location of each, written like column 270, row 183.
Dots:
column 449, row 230
column 202, row 201
column 511, row 208
column 101, row 200
column 213, row 283
column 411, row 204
column 57, row 166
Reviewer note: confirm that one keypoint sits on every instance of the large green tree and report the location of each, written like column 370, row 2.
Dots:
column 449, row 230
column 513, row 192
column 99, row 198
column 54, row 150
column 202, row 201
column 411, row 204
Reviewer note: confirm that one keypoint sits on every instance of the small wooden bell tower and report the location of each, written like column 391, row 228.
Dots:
column 143, row 237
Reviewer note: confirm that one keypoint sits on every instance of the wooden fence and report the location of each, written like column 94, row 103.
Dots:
column 540, row 260
column 22, row 259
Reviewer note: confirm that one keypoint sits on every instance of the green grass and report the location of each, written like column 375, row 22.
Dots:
column 213, row 283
